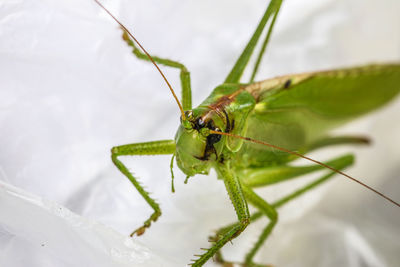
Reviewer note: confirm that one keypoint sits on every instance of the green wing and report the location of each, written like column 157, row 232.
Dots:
column 295, row 111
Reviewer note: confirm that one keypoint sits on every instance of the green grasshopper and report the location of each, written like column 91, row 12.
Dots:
column 248, row 132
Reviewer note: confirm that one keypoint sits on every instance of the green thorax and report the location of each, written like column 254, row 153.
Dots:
column 225, row 110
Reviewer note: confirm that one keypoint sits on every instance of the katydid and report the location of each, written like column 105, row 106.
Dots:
column 250, row 132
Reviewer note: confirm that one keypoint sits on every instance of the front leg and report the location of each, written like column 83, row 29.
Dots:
column 236, row 195
column 148, row 148
column 184, row 75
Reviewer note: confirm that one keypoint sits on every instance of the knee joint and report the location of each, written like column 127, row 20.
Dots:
column 114, row 150
column 243, row 223
column 274, row 216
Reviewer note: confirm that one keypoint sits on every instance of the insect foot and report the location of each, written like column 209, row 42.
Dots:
column 140, row 231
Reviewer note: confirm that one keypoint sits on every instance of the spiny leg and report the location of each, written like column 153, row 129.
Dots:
column 338, row 163
column 149, row 148
column 284, row 200
column 218, row 255
column 265, row 209
column 236, row 195
column 268, row 210
column 184, row 74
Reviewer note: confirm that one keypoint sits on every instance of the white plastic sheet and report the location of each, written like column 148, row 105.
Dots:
column 47, row 230
column 70, row 90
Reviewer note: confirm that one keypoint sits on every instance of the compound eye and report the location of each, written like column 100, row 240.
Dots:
column 189, row 117
column 200, row 122
column 188, row 114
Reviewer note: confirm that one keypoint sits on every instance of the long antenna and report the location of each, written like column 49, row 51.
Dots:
column 147, row 54
column 307, row 158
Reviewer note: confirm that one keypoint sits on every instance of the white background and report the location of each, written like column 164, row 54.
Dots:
column 70, row 90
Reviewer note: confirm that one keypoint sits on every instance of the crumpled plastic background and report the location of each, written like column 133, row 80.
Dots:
column 70, row 90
